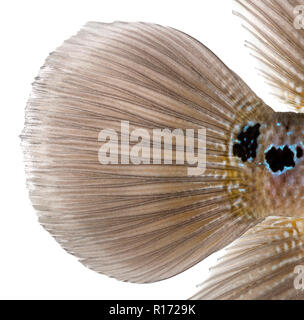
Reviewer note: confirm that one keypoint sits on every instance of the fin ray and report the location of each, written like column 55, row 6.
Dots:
column 138, row 223
column 278, row 45
column 260, row 264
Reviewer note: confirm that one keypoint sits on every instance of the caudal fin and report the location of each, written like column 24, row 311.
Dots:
column 146, row 222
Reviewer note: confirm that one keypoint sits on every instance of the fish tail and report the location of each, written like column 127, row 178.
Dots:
column 141, row 221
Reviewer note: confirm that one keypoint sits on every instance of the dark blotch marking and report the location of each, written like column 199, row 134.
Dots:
column 278, row 159
column 247, row 143
column 299, row 152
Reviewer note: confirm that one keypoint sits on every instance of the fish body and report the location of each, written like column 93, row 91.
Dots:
column 271, row 152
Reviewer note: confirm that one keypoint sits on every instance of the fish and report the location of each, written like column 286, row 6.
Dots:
column 141, row 220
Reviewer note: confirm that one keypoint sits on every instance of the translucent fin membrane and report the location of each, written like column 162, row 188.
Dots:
column 278, row 45
column 265, row 263
column 138, row 223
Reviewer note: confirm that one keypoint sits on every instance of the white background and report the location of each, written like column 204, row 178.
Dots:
column 32, row 264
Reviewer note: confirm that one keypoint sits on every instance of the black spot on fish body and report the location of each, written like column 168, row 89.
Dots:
column 278, row 159
column 247, row 144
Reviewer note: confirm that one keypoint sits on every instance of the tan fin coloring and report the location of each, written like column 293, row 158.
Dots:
column 262, row 264
column 139, row 223
column 279, row 46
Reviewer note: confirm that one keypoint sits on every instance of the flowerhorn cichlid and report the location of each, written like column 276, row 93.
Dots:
column 145, row 154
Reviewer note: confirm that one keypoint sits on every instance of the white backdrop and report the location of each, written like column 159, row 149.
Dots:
column 32, row 264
